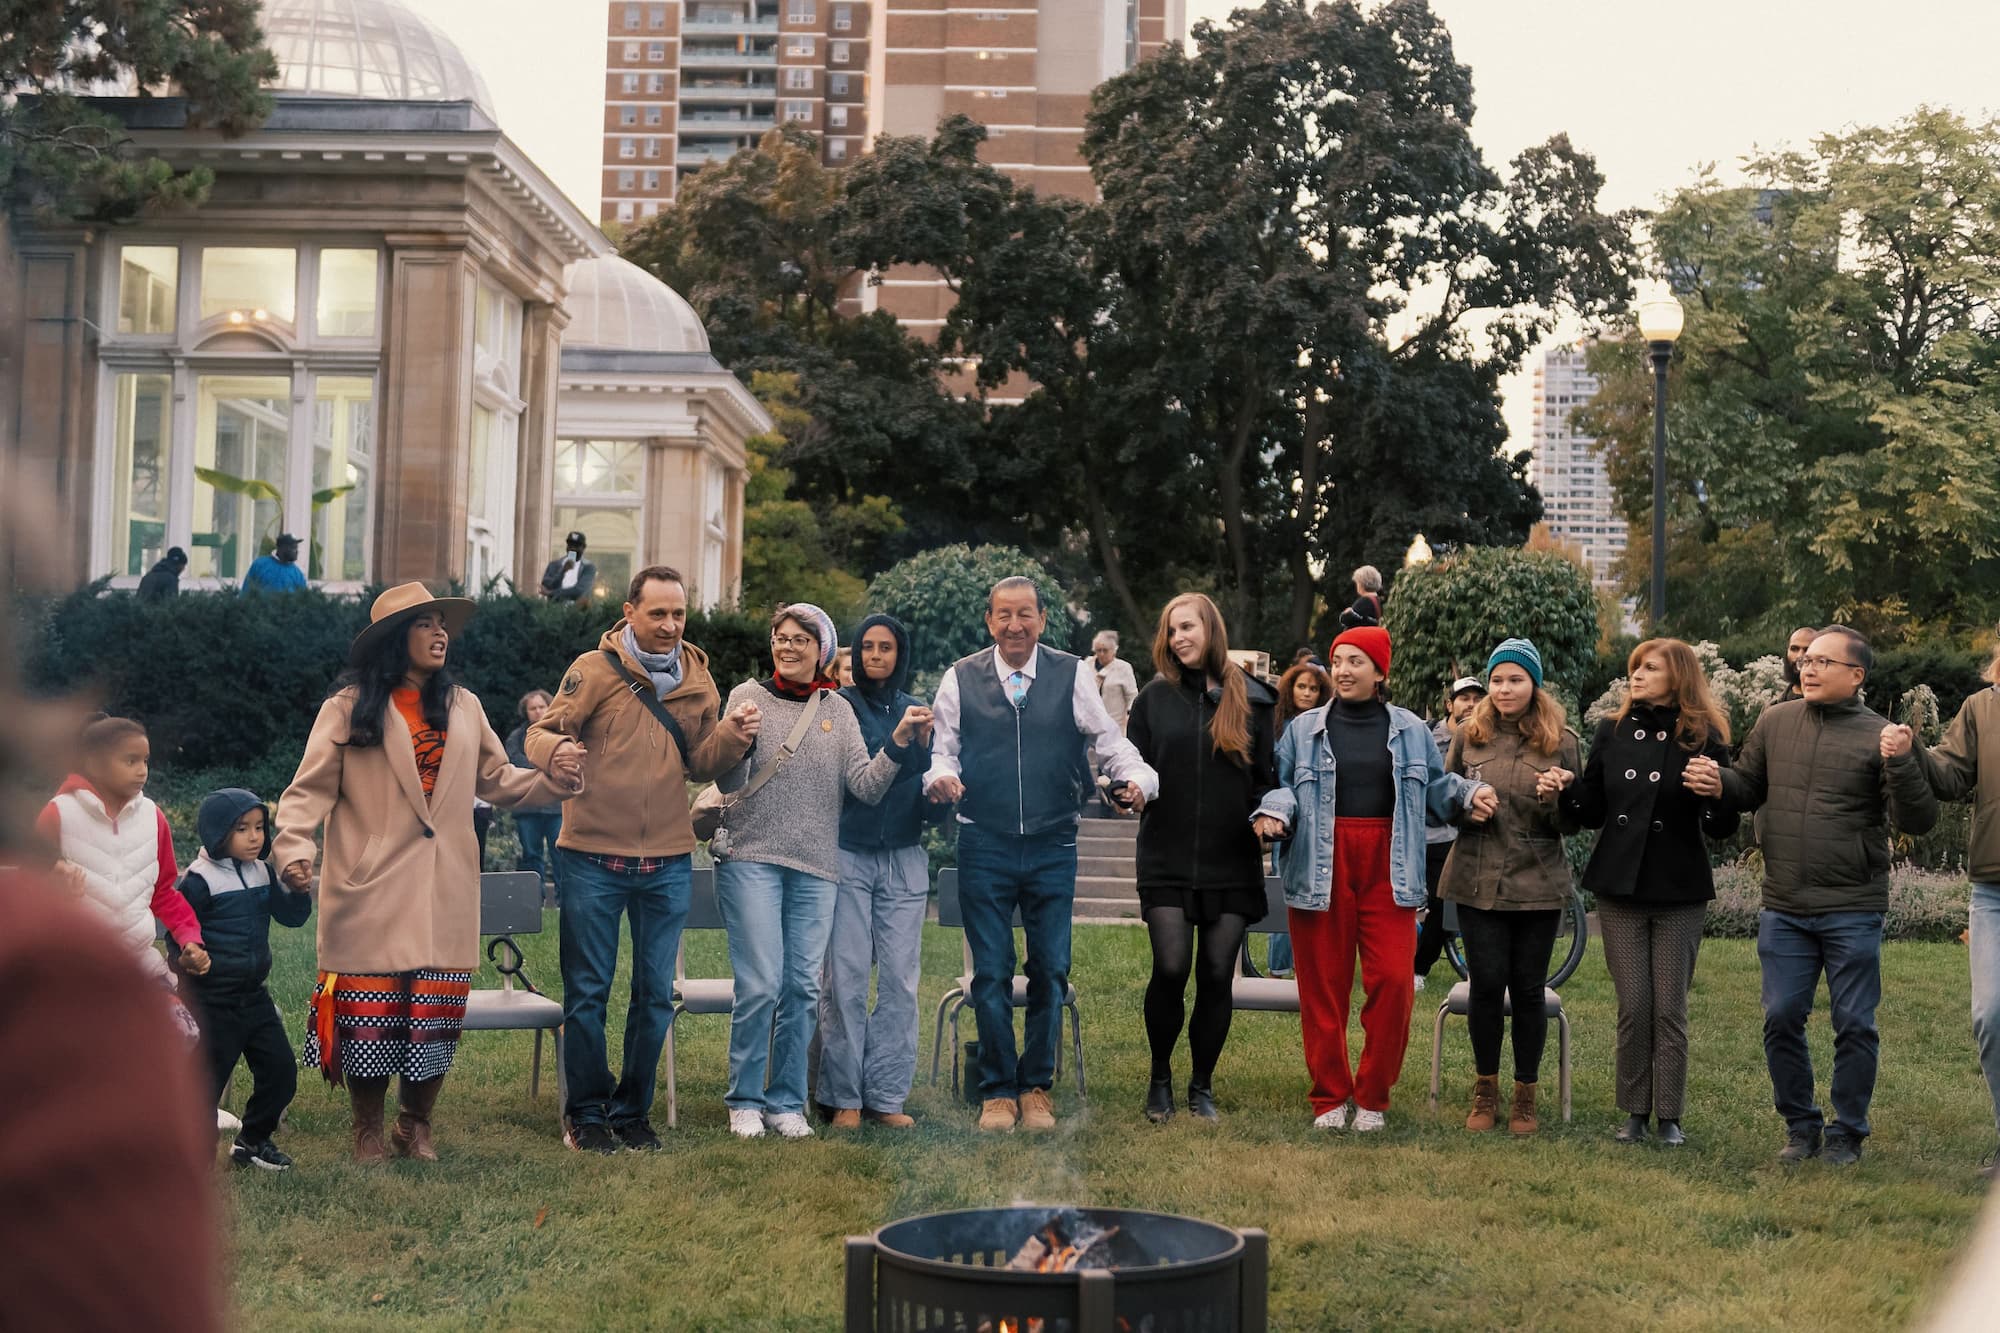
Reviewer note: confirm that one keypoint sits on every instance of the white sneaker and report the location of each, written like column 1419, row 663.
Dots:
column 226, row 1123
column 1420, row 983
column 1366, row 1121
column 1334, row 1119
column 745, row 1123
column 788, row 1124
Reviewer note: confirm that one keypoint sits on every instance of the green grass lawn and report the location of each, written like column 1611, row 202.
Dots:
column 1420, row 1227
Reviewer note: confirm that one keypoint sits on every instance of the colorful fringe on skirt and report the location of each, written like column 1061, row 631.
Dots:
column 374, row 1024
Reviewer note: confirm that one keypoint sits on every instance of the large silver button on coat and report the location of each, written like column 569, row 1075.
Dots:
column 1631, row 773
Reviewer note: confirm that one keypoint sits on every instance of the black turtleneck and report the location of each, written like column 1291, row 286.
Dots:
column 1364, row 784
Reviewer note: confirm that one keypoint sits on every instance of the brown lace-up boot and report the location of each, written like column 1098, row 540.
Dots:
column 365, row 1096
column 412, row 1135
column 1485, row 1103
column 1522, row 1121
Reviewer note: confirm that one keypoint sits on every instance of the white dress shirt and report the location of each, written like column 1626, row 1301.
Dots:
column 1117, row 756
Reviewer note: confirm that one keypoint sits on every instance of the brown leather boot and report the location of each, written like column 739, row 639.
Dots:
column 1522, row 1121
column 365, row 1097
column 412, row 1134
column 1485, row 1103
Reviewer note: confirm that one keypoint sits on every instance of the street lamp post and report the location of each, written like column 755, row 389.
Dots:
column 1659, row 324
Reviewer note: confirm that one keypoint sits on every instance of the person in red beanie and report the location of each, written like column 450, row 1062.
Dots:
column 1358, row 779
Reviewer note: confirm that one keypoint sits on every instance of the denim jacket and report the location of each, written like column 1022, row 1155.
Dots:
column 1303, row 802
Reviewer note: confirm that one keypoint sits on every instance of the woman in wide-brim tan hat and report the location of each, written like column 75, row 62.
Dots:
column 395, row 758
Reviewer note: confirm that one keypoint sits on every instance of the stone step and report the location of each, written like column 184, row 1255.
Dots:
column 1110, row 867
column 1104, row 886
column 1088, row 837
column 1098, row 910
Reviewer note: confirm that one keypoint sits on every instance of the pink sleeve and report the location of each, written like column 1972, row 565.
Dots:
column 168, row 905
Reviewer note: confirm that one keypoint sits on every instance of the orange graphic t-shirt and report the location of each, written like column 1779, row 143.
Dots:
column 426, row 740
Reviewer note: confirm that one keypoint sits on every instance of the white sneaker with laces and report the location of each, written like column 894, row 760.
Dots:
column 1420, row 983
column 745, row 1123
column 1334, row 1119
column 788, row 1124
column 1366, row 1121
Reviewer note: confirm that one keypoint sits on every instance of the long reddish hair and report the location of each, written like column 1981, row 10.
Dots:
column 1701, row 716
column 1287, row 710
column 1230, row 729
column 1541, row 726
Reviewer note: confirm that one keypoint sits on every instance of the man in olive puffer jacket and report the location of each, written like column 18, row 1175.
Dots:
column 1815, row 765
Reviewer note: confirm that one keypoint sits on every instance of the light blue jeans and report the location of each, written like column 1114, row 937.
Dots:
column 1983, row 947
column 779, row 920
column 868, row 1060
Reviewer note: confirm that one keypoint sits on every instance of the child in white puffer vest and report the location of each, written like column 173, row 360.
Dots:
column 115, row 852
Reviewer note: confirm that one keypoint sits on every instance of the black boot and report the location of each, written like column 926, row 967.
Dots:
column 1160, row 1100
column 1670, row 1134
column 1633, row 1130
column 1201, row 1102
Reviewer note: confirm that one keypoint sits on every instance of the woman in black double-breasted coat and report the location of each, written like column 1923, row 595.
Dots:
column 1650, row 870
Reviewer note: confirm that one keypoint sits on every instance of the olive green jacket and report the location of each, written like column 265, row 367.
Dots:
column 1513, row 862
column 1966, row 766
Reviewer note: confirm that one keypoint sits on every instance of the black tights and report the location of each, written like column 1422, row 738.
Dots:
column 1508, row 956
column 1173, row 957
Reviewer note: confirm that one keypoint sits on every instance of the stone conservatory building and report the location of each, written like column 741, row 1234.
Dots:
column 386, row 331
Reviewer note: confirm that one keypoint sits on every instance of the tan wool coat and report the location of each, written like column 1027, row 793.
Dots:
column 399, row 880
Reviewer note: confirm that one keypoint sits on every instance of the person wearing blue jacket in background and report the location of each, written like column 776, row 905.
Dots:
column 235, row 897
column 868, row 1060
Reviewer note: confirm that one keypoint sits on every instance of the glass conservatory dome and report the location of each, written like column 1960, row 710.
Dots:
column 616, row 305
column 367, row 49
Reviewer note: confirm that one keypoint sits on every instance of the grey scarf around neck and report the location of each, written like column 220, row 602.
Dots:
column 664, row 668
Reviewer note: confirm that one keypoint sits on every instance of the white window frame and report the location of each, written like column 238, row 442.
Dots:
column 843, row 17
column 798, row 112
column 798, row 79
column 836, row 117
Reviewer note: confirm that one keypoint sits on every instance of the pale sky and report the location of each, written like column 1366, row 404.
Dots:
column 1652, row 90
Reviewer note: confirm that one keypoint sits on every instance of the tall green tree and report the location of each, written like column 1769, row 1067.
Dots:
column 1835, row 397
column 67, row 159
column 1302, row 234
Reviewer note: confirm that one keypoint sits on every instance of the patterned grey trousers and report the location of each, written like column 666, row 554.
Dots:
column 1651, row 957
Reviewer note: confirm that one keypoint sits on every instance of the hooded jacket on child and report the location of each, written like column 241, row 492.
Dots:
column 235, row 901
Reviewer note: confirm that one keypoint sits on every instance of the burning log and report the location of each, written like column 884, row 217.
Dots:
column 1066, row 1242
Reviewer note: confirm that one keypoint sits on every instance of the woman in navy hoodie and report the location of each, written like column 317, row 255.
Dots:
column 867, row 1060
column 235, row 897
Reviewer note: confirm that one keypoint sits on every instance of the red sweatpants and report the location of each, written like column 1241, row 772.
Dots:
column 1362, row 917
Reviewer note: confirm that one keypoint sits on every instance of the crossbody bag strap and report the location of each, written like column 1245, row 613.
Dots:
column 785, row 751
column 644, row 692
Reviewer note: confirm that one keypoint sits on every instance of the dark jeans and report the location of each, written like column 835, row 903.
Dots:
column 538, row 846
column 1507, row 954
column 1430, row 935
column 594, row 899
column 1793, row 951
column 245, row 1025
column 997, row 874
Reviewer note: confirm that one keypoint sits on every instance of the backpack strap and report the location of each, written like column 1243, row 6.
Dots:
column 643, row 690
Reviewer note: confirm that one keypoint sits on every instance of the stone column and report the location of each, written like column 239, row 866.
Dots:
column 47, row 369
column 426, row 409
column 535, row 480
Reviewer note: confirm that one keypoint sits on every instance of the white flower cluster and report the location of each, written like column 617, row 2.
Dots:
column 1741, row 695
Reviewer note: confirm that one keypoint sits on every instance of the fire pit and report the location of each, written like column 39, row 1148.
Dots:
column 1041, row 1269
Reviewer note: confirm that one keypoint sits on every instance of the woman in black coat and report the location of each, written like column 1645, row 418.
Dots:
column 1650, row 870
column 1206, row 727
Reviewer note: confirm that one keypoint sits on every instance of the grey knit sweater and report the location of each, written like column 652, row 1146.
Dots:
column 794, row 819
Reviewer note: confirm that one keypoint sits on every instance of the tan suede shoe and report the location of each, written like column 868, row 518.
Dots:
column 889, row 1119
column 1037, row 1110
column 847, row 1117
column 998, row 1115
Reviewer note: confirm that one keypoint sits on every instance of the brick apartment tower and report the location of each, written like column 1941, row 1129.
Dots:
column 689, row 82
column 1023, row 68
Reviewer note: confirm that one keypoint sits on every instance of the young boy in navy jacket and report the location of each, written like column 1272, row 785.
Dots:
column 235, row 897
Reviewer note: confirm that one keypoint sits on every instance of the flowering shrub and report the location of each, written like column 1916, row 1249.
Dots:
column 1923, row 905
column 1741, row 694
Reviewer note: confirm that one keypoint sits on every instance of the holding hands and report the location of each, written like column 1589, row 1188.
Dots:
column 1269, row 828
column 1485, row 804
column 195, row 959
column 298, row 876
column 1897, row 740
column 947, row 790
column 1550, row 782
column 745, row 721
column 916, row 725
column 1703, row 776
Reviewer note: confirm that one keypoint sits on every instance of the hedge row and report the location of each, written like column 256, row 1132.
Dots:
column 1923, row 905
column 223, row 682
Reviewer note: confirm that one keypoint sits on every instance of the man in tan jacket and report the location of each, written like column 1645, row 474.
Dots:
column 640, row 709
